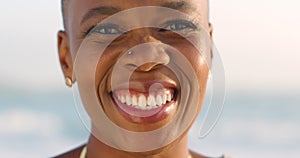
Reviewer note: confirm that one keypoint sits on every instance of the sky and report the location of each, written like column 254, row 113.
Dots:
column 258, row 41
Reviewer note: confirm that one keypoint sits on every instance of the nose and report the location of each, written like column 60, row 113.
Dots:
column 147, row 56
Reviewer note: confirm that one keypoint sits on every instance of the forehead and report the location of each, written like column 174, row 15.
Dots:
column 79, row 8
column 135, row 3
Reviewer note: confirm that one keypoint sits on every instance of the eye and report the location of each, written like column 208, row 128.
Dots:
column 179, row 25
column 107, row 29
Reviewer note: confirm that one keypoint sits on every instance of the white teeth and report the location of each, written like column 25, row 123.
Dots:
column 151, row 101
column 128, row 100
column 169, row 97
column 164, row 98
column 123, row 100
column 143, row 102
column 150, row 107
column 144, row 107
column 134, row 101
column 159, row 100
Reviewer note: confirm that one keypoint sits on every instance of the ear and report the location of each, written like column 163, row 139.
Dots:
column 210, row 29
column 65, row 57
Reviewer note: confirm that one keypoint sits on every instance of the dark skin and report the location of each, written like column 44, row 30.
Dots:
column 70, row 40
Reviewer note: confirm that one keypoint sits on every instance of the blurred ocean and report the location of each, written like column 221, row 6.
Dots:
column 257, row 124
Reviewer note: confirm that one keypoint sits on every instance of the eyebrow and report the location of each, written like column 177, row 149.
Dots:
column 179, row 5
column 108, row 10
column 104, row 10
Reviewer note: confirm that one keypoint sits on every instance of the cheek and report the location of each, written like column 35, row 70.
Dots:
column 196, row 59
column 199, row 65
column 201, row 69
column 106, row 63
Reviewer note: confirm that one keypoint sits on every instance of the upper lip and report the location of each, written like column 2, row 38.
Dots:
column 143, row 86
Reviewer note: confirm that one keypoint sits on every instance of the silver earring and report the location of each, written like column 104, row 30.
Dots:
column 130, row 53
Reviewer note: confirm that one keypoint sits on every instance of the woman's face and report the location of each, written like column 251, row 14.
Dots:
column 144, row 93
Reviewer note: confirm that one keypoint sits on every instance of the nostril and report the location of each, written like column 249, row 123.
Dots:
column 148, row 66
column 144, row 67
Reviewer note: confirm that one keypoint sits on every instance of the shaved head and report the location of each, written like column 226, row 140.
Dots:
column 65, row 3
column 63, row 10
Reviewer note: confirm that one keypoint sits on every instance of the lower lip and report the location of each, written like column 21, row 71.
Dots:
column 144, row 116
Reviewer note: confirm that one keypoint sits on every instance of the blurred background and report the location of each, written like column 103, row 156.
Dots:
column 259, row 44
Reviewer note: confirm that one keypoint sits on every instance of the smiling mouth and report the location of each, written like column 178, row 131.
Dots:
column 138, row 106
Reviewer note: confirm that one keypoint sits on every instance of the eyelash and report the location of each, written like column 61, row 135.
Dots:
column 177, row 23
column 99, row 28
column 167, row 27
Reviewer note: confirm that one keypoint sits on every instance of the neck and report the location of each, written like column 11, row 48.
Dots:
column 177, row 149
